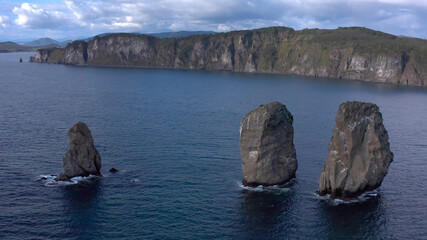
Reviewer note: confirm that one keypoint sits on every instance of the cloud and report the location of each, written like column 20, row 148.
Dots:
column 405, row 2
column 400, row 17
column 223, row 28
column 225, row 15
column 4, row 21
column 174, row 15
column 110, row 15
column 32, row 16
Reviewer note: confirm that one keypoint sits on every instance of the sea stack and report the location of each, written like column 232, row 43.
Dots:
column 359, row 152
column 82, row 158
column 267, row 147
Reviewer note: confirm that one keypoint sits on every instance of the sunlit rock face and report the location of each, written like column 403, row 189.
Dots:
column 76, row 53
column 359, row 152
column 266, row 144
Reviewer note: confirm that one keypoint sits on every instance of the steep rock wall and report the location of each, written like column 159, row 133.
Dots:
column 345, row 53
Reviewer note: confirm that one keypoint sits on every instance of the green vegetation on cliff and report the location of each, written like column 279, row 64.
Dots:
column 349, row 53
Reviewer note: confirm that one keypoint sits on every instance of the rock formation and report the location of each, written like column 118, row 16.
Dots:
column 266, row 145
column 359, row 152
column 82, row 158
column 76, row 53
column 345, row 53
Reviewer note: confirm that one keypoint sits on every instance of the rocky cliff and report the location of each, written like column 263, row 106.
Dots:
column 267, row 146
column 359, row 152
column 82, row 158
column 344, row 53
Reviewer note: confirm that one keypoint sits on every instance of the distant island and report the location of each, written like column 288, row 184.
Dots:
column 7, row 47
column 353, row 53
column 32, row 46
column 41, row 42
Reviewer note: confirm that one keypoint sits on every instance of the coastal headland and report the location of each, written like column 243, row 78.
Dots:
column 353, row 53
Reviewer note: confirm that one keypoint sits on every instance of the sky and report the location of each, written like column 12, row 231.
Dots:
column 74, row 19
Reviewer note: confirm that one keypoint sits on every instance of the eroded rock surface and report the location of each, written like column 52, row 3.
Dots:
column 345, row 53
column 266, row 144
column 359, row 152
column 82, row 158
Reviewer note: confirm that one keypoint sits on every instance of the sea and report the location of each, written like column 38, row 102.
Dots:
column 174, row 137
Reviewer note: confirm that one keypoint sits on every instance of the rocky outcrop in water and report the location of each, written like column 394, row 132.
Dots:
column 344, row 53
column 266, row 144
column 359, row 152
column 82, row 158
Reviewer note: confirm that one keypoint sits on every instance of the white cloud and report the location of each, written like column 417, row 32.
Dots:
column 89, row 17
column 177, row 26
column 4, row 21
column 405, row 2
column 32, row 16
column 120, row 25
column 109, row 15
column 223, row 28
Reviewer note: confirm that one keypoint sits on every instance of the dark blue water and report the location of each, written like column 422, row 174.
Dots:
column 174, row 136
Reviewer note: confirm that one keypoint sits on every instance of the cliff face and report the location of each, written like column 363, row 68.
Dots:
column 267, row 146
column 344, row 53
column 359, row 152
column 49, row 55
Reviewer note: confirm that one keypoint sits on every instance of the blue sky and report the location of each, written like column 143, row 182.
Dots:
column 72, row 19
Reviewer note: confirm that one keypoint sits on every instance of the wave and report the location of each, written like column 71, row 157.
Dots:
column 49, row 180
column 135, row 180
column 268, row 189
column 360, row 199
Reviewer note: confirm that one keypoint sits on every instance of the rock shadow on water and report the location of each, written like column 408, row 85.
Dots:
column 264, row 212
column 357, row 219
column 81, row 208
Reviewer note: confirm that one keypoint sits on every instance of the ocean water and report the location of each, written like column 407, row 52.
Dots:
column 174, row 136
